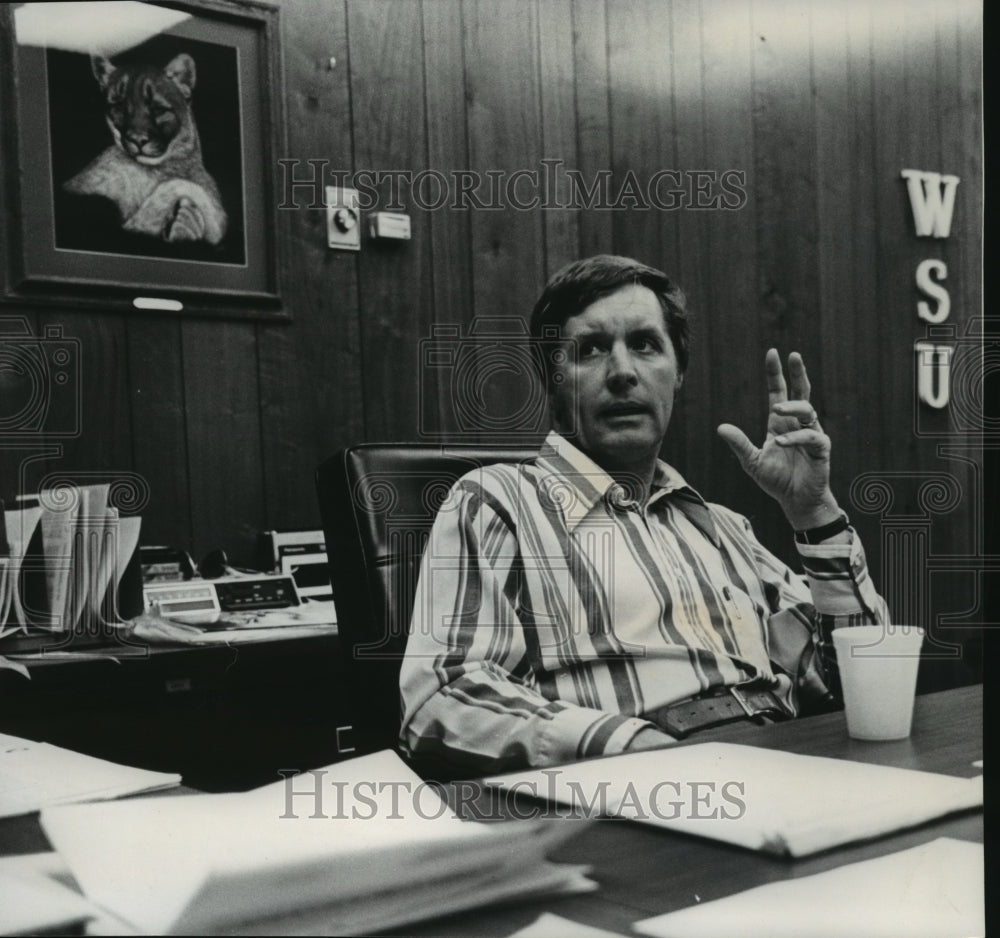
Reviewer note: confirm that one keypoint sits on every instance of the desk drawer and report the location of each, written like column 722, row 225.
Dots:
column 225, row 718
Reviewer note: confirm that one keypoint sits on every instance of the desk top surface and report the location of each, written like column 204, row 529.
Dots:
column 645, row 871
column 271, row 641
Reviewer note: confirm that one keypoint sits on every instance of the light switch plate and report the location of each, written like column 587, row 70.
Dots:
column 343, row 219
column 389, row 226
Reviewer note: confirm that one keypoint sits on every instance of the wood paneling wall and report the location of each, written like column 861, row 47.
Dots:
column 820, row 105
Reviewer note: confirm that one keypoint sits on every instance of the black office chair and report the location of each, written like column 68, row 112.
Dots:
column 378, row 502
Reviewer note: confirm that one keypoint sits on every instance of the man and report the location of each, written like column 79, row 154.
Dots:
column 591, row 602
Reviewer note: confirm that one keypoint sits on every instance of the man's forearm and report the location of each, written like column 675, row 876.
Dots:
column 489, row 725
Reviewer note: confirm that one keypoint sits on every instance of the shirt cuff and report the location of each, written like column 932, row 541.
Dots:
column 580, row 733
column 837, row 573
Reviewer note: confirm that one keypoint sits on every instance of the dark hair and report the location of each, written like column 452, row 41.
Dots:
column 573, row 288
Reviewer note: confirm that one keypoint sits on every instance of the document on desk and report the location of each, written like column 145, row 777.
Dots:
column 363, row 845
column 935, row 890
column 311, row 618
column 777, row 802
column 35, row 899
column 20, row 526
column 35, row 775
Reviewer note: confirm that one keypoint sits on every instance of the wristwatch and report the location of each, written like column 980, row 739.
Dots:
column 824, row 531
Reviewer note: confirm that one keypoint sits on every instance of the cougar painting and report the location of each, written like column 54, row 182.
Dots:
column 154, row 172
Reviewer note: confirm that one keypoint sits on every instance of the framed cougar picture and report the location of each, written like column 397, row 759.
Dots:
column 139, row 149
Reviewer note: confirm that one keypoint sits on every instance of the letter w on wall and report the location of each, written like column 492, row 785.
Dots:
column 932, row 199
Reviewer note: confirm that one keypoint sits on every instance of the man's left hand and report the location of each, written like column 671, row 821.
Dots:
column 793, row 465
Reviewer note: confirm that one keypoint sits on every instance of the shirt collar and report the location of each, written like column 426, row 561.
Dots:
column 575, row 483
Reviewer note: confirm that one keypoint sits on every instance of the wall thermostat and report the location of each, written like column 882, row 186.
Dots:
column 343, row 219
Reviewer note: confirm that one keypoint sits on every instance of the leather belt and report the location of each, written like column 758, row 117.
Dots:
column 725, row 705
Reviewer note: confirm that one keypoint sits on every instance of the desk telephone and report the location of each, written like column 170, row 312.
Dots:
column 171, row 583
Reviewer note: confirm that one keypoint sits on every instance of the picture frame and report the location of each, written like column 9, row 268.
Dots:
column 139, row 170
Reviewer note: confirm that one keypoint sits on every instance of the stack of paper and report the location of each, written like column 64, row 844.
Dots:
column 935, row 890
column 19, row 526
column 37, row 900
column 764, row 799
column 36, row 775
column 85, row 550
column 332, row 851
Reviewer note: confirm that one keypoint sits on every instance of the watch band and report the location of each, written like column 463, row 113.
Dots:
column 824, row 531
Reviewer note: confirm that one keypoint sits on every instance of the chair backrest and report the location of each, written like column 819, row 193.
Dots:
column 378, row 502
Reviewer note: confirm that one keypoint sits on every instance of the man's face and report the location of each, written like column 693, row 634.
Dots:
column 619, row 392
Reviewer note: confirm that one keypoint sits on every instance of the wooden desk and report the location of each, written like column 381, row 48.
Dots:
column 645, row 871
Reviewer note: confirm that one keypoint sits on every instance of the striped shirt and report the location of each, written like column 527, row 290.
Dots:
column 552, row 613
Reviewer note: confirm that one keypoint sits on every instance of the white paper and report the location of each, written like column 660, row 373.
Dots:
column 35, row 898
column 103, row 567
column 765, row 799
column 6, row 599
column 234, row 628
column 932, row 891
column 21, row 526
column 58, row 534
column 387, row 912
column 7, row 591
column 155, row 629
column 87, row 541
column 329, row 837
column 34, row 775
column 548, row 925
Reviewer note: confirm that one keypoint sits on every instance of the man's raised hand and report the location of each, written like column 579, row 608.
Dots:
column 793, row 465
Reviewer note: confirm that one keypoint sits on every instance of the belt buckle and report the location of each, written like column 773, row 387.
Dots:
column 740, row 698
